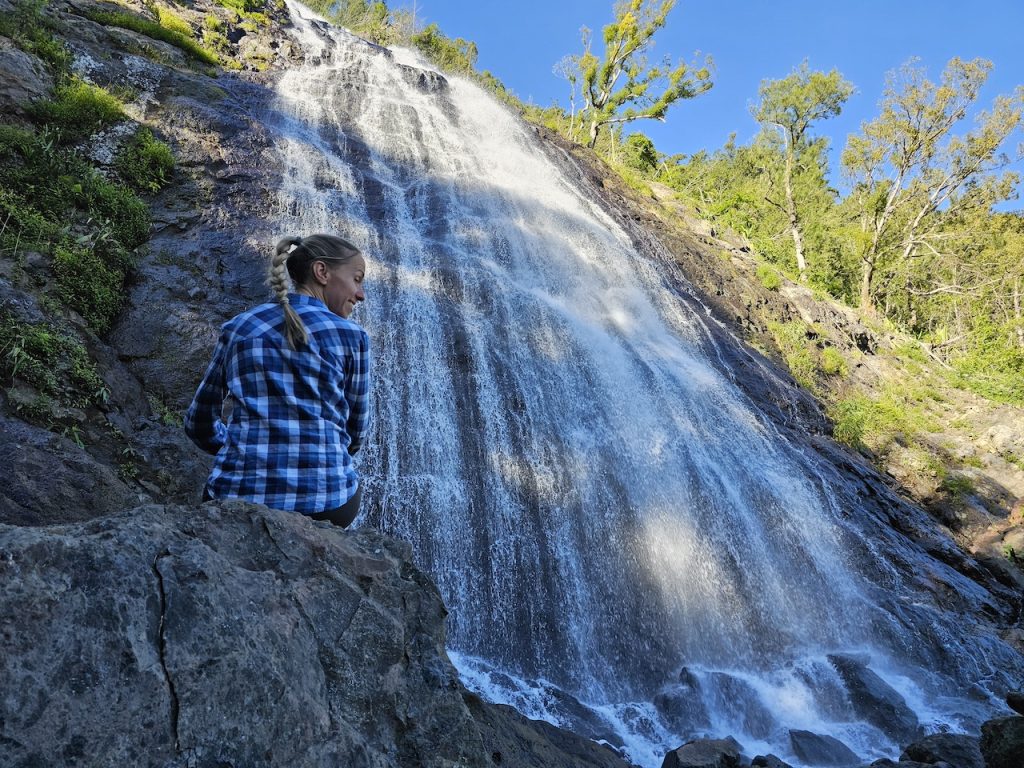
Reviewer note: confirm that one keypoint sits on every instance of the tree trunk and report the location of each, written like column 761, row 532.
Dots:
column 594, row 128
column 794, row 222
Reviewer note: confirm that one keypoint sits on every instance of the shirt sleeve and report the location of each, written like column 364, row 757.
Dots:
column 357, row 392
column 202, row 419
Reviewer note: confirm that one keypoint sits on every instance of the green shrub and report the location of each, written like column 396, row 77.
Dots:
column 769, row 277
column 799, row 351
column 849, row 420
column 56, row 365
column 118, row 208
column 78, row 109
column 145, row 163
column 89, row 284
column 833, row 363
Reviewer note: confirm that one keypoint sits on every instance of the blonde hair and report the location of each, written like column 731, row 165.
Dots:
column 294, row 257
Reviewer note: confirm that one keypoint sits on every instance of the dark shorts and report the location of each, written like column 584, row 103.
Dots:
column 342, row 516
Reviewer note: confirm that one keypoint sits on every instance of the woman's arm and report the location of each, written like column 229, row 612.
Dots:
column 202, row 419
column 357, row 393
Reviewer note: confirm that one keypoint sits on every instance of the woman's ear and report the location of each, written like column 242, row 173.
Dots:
column 320, row 272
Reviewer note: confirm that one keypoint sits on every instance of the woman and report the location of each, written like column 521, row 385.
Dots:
column 285, row 401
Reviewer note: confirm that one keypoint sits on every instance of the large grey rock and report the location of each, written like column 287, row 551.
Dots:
column 24, row 80
column 231, row 634
column 705, row 753
column 814, row 749
column 875, row 700
column 1002, row 742
column 954, row 748
column 769, row 761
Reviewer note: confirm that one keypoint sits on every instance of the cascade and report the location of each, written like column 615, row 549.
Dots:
column 625, row 543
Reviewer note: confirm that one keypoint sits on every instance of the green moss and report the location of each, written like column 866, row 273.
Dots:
column 145, row 163
column 896, row 415
column 89, row 284
column 769, row 277
column 957, row 486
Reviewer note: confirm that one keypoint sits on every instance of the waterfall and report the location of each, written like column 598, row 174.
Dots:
column 611, row 522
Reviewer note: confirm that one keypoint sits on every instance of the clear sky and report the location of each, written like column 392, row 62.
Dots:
column 749, row 40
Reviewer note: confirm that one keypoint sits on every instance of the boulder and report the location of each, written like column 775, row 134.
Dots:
column 769, row 761
column 1002, row 742
column 876, row 701
column 228, row 633
column 705, row 753
column 956, row 749
column 813, row 749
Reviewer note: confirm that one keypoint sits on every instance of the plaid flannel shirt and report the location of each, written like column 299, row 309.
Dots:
column 281, row 420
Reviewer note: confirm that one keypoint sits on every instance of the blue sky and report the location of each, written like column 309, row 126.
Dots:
column 749, row 41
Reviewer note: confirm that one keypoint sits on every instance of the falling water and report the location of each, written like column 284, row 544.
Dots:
column 609, row 519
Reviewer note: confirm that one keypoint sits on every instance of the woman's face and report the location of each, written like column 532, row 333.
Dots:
column 344, row 287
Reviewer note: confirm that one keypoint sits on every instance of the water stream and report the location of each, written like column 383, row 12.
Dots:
column 625, row 544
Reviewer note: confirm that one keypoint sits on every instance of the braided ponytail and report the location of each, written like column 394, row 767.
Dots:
column 295, row 330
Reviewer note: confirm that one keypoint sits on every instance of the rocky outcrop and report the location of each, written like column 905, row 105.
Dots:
column 818, row 750
column 955, row 749
column 705, row 753
column 230, row 634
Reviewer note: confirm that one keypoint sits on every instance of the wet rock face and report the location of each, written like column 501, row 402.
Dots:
column 230, row 633
column 876, row 701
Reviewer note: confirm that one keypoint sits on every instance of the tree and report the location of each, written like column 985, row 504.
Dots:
column 639, row 153
column 910, row 174
column 791, row 105
column 620, row 87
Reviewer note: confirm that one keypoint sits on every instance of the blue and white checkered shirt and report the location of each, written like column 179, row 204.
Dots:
column 292, row 414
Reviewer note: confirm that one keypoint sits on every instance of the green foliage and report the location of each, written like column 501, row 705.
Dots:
column 90, row 281
column 957, row 486
column 769, row 277
column 795, row 340
column 78, row 109
column 53, row 201
column 458, row 55
column 639, row 153
column 849, row 420
column 152, row 29
column 244, row 7
column 145, row 163
column 621, row 87
column 54, row 364
column 833, row 363
column 897, row 414
column 170, row 20
column 32, row 31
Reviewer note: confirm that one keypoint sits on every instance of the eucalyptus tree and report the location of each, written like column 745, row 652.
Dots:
column 621, row 87
column 791, row 105
column 910, row 173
